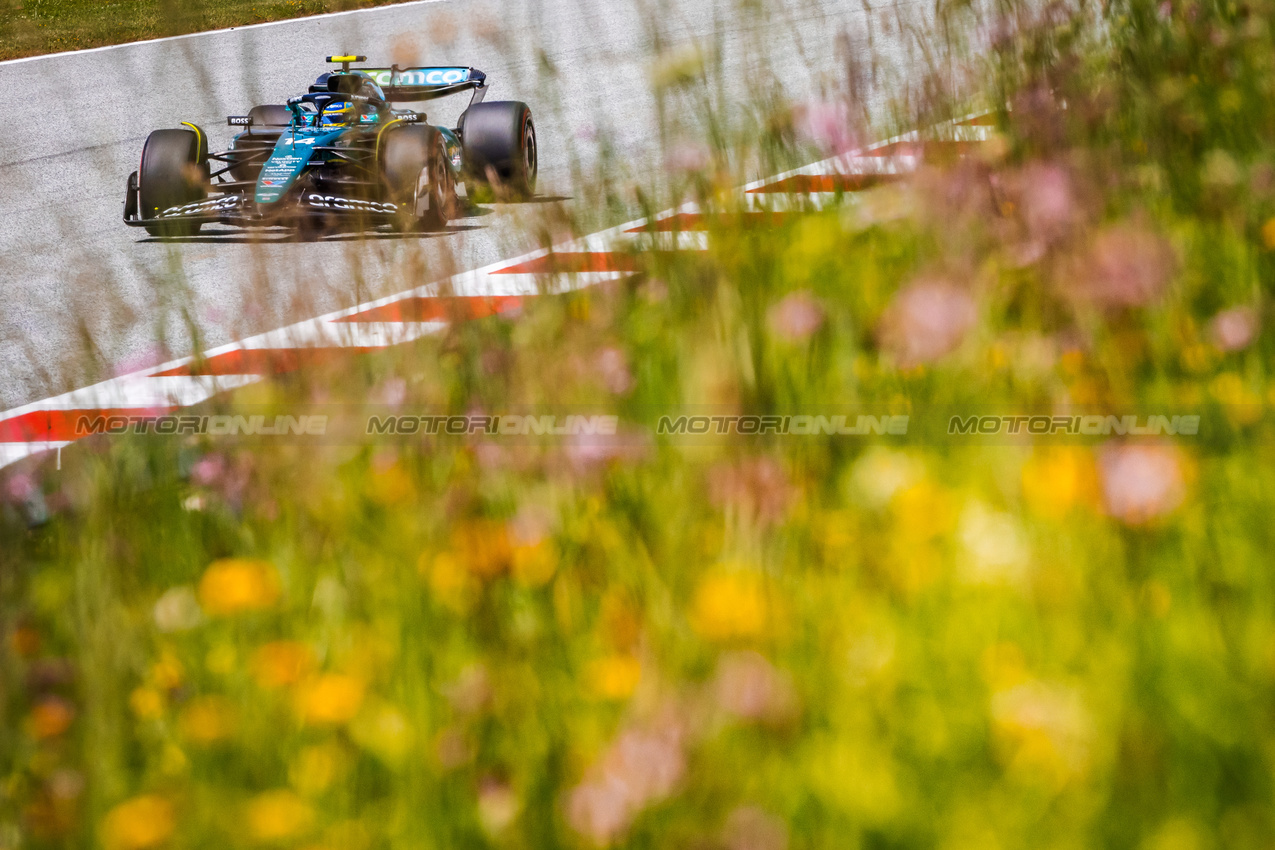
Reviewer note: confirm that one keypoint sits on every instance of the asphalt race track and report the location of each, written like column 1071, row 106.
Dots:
column 74, row 277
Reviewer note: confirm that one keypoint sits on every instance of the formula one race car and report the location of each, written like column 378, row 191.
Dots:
column 338, row 157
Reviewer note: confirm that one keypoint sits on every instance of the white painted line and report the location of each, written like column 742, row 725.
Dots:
column 316, row 333
column 14, row 452
column 325, row 15
column 140, row 390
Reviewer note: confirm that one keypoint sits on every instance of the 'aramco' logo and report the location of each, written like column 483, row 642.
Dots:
column 421, row 77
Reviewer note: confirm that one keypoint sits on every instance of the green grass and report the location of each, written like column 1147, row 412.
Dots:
column 34, row 27
column 765, row 642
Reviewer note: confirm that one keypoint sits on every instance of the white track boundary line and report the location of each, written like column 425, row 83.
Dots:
column 221, row 31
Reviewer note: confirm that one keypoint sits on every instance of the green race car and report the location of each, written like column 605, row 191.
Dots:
column 340, row 156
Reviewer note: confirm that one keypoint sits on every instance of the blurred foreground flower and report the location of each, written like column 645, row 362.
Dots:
column 995, row 547
column 281, row 663
column 383, row 730
column 1127, row 266
column 1048, row 200
column 51, row 717
column 750, row 828
column 234, row 585
column 1141, row 483
column 829, row 126
column 927, row 320
column 483, row 547
column 684, row 158
column 1059, row 478
column 278, row 815
column 796, row 317
column 139, row 823
column 730, row 605
column 1043, row 729
column 880, row 473
column 177, row 610
column 497, row 805
column 330, row 700
column 749, row 687
column 615, row 676
column 677, row 66
column 208, row 719
column 641, row 767
column 613, row 369
column 1233, row 329
column 758, row 488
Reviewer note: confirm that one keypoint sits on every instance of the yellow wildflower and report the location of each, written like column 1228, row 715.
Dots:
column 448, row 579
column 207, row 719
column 614, row 676
column 50, row 717
column 383, row 730
column 316, row 767
column 483, row 547
column 222, row 659
column 1003, row 666
column 390, row 486
column 146, row 703
column 167, row 672
column 139, row 823
column 278, row 815
column 730, row 605
column 1268, row 234
column 330, row 700
column 1058, row 479
column 922, row 511
column 837, row 531
column 1243, row 406
column 25, row 641
column 233, row 585
column 1043, row 731
column 534, row 564
column 281, row 663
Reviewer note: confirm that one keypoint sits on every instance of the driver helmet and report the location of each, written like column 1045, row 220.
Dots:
column 337, row 113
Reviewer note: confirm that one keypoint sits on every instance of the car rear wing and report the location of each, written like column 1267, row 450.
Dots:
column 415, row 84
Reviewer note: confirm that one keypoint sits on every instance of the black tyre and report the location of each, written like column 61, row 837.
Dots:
column 418, row 178
column 500, row 147
column 172, row 173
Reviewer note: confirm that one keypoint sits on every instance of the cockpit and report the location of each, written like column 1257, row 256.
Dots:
column 341, row 100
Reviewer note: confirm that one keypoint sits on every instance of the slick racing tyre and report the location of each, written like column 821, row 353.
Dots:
column 174, row 171
column 418, row 177
column 500, row 147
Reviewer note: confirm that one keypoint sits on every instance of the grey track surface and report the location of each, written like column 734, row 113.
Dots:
column 83, row 295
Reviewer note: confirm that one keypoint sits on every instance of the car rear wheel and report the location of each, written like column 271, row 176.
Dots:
column 500, row 148
column 418, row 178
column 172, row 173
